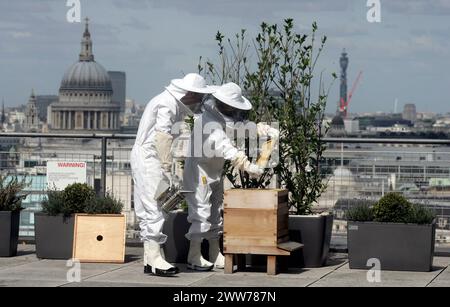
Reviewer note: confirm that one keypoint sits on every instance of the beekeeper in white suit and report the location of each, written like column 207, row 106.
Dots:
column 203, row 173
column 151, row 162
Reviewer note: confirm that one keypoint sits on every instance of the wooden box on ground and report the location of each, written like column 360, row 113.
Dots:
column 99, row 238
column 256, row 222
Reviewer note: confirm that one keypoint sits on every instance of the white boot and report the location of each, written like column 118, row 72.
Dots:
column 195, row 258
column 161, row 250
column 215, row 256
column 154, row 262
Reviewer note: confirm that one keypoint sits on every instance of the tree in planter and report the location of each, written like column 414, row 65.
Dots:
column 277, row 76
column 280, row 89
column 300, row 116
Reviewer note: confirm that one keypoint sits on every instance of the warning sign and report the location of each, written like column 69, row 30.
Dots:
column 61, row 174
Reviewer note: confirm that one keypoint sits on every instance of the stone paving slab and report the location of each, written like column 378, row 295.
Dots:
column 257, row 277
column 345, row 277
column 25, row 254
column 51, row 270
column 26, row 270
column 443, row 279
column 135, row 274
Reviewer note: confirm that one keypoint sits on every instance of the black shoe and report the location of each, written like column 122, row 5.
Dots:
column 158, row 272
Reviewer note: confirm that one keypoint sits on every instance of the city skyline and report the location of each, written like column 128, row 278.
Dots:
column 405, row 57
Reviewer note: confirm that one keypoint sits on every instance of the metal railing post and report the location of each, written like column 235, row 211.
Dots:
column 103, row 166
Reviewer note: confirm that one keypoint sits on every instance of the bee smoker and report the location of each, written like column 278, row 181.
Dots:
column 169, row 197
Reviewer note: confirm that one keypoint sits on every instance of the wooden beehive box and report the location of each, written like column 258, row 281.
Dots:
column 255, row 221
column 99, row 238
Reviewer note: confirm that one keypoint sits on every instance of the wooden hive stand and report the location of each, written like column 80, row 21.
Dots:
column 256, row 222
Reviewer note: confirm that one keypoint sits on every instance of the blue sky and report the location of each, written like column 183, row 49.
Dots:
column 406, row 56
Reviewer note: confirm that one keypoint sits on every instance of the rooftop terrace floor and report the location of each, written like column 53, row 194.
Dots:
column 29, row 271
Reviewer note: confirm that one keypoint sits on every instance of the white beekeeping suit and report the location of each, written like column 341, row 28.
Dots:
column 203, row 173
column 151, row 162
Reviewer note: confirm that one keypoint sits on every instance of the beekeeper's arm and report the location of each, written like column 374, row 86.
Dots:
column 238, row 158
column 241, row 162
column 164, row 139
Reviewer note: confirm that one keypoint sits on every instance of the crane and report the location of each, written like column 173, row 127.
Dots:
column 344, row 104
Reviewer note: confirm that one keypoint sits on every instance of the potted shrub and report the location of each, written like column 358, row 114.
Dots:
column 399, row 234
column 11, row 196
column 55, row 225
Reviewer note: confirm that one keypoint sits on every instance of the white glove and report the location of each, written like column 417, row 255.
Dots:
column 167, row 176
column 176, row 181
column 262, row 129
column 265, row 130
column 274, row 134
column 241, row 162
column 254, row 171
column 163, row 146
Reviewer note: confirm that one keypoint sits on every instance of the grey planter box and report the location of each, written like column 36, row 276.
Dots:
column 54, row 236
column 176, row 248
column 399, row 247
column 314, row 232
column 9, row 233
